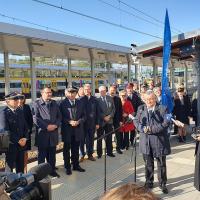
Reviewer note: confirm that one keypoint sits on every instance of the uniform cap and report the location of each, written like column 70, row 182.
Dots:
column 72, row 89
column 14, row 96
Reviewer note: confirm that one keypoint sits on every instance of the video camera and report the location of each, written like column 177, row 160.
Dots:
column 35, row 185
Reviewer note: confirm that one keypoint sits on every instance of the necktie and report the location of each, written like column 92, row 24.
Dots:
column 150, row 112
column 73, row 109
column 104, row 99
column 48, row 105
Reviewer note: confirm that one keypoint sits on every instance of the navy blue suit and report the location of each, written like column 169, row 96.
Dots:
column 44, row 114
column 117, row 119
column 136, row 102
column 71, row 136
column 92, row 119
column 16, row 125
column 29, row 120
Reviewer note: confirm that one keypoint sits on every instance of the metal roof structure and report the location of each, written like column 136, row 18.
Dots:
column 183, row 49
column 21, row 40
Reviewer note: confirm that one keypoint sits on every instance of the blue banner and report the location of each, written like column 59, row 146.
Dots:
column 166, row 94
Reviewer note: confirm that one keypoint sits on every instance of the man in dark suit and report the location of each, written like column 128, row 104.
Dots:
column 117, row 120
column 136, row 101
column 91, row 123
column 16, row 125
column 152, row 123
column 73, row 118
column 47, row 118
column 106, row 115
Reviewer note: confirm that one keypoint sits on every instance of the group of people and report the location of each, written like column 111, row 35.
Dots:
column 78, row 117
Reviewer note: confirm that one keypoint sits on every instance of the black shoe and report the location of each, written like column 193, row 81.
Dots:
column 111, row 155
column 119, row 151
column 68, row 171
column 56, row 168
column 54, row 174
column 148, row 185
column 79, row 169
column 163, row 188
column 98, row 157
column 127, row 148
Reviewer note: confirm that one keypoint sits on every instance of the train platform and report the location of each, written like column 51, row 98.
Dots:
column 90, row 185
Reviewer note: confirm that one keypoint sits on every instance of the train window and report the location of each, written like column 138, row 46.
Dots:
column 61, row 83
column 15, row 85
column 2, row 85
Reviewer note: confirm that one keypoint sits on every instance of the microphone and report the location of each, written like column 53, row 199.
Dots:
column 41, row 171
column 169, row 118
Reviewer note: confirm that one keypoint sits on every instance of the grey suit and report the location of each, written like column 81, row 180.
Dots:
column 105, row 108
column 44, row 114
column 154, row 144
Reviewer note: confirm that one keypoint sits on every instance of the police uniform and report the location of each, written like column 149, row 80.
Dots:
column 16, row 125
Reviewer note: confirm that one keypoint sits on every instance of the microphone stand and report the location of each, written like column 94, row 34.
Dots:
column 135, row 156
column 104, row 136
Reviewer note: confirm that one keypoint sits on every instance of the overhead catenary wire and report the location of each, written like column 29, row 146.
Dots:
column 97, row 19
column 40, row 25
column 147, row 15
column 133, row 15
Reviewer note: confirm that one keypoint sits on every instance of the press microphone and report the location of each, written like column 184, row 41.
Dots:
column 169, row 118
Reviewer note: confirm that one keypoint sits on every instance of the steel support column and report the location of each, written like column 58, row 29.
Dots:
column 197, row 48
column 6, row 75
column 186, row 76
column 92, row 71
column 33, row 77
column 129, row 68
column 172, row 68
column 69, row 71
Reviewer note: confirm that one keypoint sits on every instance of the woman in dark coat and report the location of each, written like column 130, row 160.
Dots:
column 29, row 120
column 182, row 110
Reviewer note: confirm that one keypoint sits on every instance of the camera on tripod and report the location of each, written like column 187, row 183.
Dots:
column 35, row 185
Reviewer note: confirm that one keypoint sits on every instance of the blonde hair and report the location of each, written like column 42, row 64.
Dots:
column 122, row 92
column 129, row 191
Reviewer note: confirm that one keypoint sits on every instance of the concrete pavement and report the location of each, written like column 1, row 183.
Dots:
column 90, row 185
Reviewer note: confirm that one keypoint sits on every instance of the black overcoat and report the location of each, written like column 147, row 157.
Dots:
column 66, row 129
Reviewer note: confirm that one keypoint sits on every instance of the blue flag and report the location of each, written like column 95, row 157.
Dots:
column 166, row 94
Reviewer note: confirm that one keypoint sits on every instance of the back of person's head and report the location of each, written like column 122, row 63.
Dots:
column 129, row 191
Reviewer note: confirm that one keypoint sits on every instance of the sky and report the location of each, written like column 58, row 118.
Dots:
column 184, row 17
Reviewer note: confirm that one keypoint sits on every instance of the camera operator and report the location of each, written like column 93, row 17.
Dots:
column 18, row 133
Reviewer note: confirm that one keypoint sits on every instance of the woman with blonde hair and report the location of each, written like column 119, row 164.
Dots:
column 129, row 191
column 127, row 109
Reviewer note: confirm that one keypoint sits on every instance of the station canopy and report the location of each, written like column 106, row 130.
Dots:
column 182, row 50
column 22, row 40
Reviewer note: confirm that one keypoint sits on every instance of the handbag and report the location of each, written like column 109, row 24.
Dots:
column 4, row 141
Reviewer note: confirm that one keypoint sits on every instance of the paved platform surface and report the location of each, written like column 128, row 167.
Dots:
column 90, row 185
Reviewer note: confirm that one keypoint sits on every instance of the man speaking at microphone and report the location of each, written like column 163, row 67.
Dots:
column 152, row 123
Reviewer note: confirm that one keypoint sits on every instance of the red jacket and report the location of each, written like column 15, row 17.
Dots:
column 128, row 109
